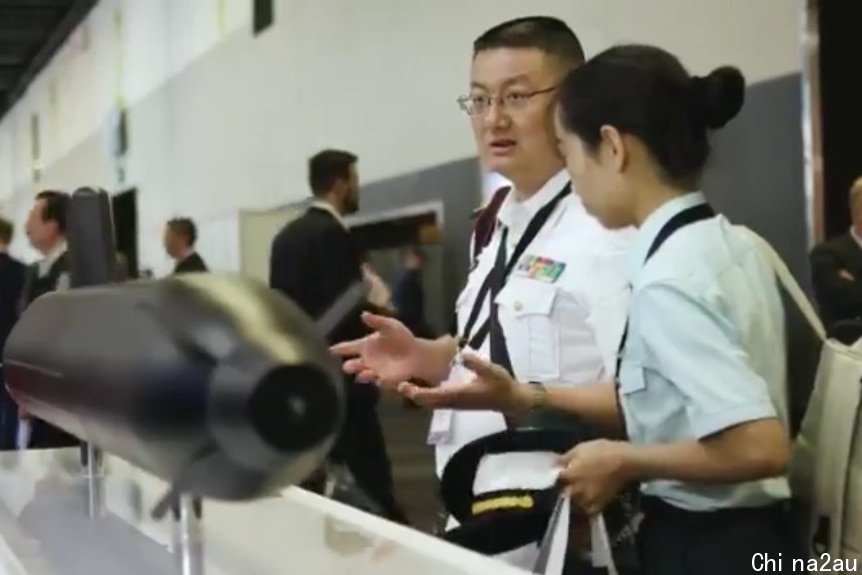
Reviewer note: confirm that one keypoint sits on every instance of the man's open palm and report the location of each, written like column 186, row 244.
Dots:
column 490, row 386
column 388, row 356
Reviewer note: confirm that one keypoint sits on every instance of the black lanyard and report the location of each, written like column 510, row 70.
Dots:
column 684, row 218
column 496, row 278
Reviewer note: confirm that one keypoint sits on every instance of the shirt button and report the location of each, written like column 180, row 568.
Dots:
column 518, row 306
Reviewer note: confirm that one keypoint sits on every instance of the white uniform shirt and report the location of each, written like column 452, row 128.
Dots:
column 559, row 329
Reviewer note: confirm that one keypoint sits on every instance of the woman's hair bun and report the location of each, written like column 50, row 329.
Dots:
column 718, row 97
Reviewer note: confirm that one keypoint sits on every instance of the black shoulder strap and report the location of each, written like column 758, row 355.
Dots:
column 496, row 278
column 486, row 221
column 499, row 351
column 684, row 218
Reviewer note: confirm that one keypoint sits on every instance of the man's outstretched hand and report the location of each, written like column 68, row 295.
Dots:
column 490, row 387
column 387, row 357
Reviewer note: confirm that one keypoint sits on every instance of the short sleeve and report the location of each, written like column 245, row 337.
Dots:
column 696, row 349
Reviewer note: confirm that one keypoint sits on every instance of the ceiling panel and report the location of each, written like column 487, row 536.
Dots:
column 31, row 31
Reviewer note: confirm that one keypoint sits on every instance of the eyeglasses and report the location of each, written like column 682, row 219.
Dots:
column 481, row 103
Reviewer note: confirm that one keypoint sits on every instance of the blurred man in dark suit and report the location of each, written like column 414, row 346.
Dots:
column 46, row 230
column 313, row 261
column 11, row 284
column 836, row 267
column 409, row 294
column 180, row 237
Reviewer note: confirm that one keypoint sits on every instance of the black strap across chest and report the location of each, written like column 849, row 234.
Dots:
column 503, row 265
column 686, row 217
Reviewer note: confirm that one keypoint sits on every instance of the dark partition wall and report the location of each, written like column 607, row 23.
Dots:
column 757, row 171
column 757, row 179
column 841, row 107
column 458, row 186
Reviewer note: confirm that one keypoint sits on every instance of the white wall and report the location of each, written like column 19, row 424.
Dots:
column 222, row 120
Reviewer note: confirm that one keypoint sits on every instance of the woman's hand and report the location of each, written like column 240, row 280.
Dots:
column 387, row 357
column 594, row 472
column 491, row 388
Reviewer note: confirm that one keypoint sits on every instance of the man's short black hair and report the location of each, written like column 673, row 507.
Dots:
column 185, row 228
column 327, row 167
column 56, row 207
column 7, row 230
column 551, row 35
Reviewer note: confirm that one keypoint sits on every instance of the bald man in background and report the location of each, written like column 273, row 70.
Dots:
column 836, row 267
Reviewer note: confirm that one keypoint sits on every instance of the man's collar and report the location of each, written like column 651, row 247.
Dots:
column 535, row 202
column 50, row 258
column 855, row 235
column 327, row 207
column 186, row 254
column 651, row 227
column 54, row 253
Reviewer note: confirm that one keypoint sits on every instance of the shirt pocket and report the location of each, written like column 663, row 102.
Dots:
column 632, row 389
column 526, row 312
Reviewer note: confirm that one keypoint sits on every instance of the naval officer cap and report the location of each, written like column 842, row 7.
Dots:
column 511, row 510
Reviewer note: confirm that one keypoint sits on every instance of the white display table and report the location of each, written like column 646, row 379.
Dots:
column 45, row 530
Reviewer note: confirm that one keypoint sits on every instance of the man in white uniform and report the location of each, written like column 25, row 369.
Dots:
column 547, row 297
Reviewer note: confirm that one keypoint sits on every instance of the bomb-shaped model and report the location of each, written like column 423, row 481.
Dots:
column 214, row 383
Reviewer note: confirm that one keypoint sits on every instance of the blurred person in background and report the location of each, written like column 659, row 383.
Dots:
column 409, row 294
column 11, row 284
column 180, row 237
column 836, row 268
column 379, row 293
column 314, row 260
column 46, row 230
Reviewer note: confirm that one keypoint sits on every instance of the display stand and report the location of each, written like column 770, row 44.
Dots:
column 95, row 473
column 188, row 535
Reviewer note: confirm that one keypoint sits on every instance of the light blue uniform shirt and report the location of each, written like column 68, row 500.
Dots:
column 705, row 348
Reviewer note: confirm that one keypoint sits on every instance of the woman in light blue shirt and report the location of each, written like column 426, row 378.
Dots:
column 699, row 389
